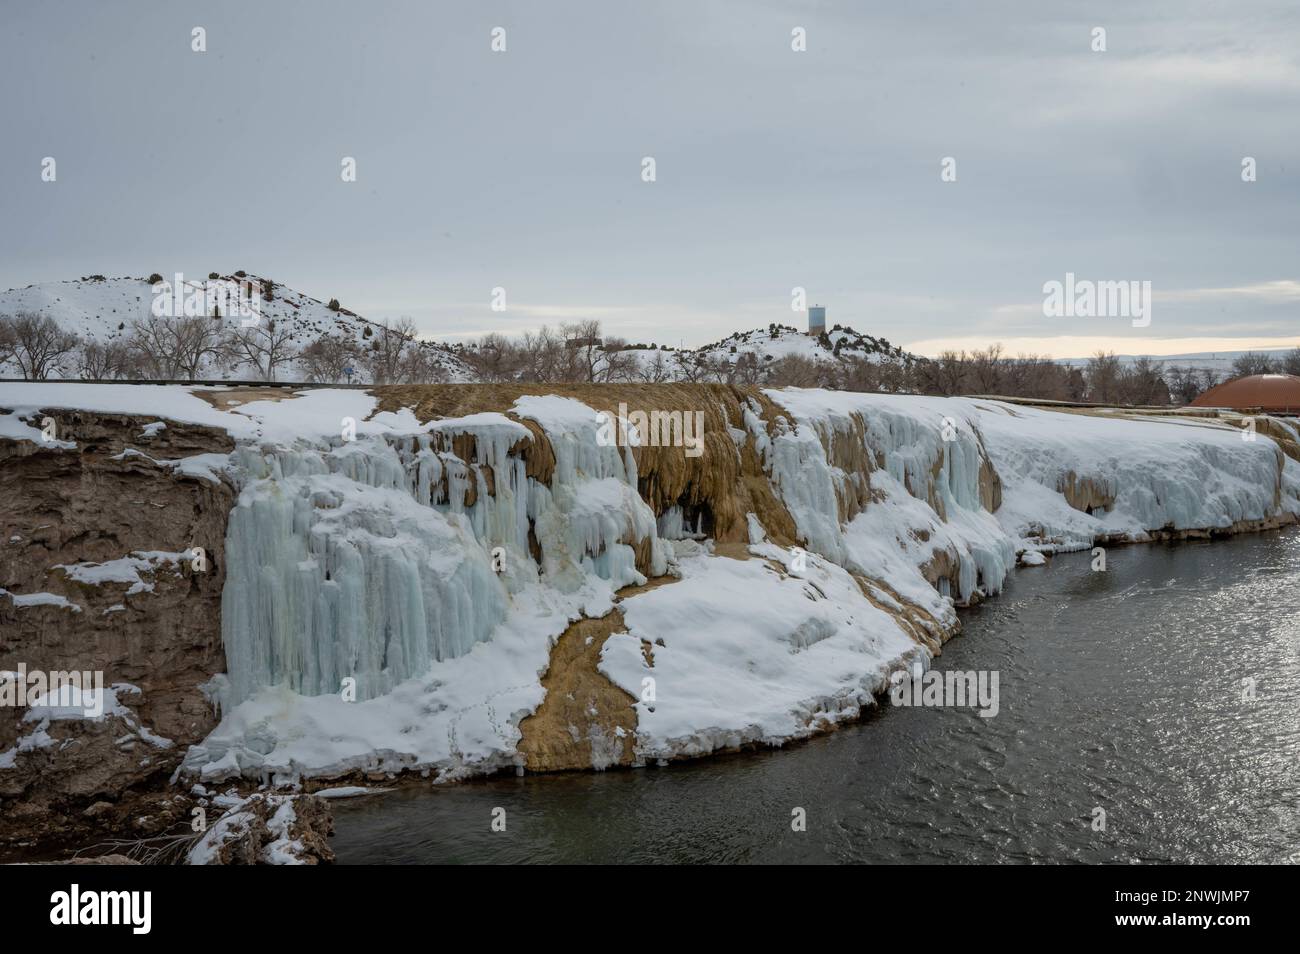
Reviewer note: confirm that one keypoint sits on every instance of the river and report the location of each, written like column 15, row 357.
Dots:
column 1119, row 690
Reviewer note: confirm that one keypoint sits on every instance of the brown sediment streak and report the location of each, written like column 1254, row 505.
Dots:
column 1085, row 493
column 722, row 485
column 917, row 622
column 585, row 721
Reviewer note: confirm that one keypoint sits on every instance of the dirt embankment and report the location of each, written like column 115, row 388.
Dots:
column 161, row 633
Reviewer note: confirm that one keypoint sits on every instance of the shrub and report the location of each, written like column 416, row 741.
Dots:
column 333, row 305
column 155, row 278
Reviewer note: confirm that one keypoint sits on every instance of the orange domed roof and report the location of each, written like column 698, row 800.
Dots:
column 1267, row 392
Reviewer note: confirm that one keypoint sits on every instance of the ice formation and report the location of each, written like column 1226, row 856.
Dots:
column 435, row 564
column 363, row 560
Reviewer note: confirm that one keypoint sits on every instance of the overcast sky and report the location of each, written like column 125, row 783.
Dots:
column 775, row 168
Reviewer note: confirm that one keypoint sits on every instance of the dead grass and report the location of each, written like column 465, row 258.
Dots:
column 228, row 399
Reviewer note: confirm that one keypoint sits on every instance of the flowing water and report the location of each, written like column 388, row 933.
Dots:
column 1120, row 690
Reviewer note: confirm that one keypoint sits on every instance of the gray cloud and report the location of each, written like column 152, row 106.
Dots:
column 775, row 169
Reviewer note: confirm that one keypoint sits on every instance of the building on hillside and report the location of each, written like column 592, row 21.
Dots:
column 1274, row 393
column 816, row 320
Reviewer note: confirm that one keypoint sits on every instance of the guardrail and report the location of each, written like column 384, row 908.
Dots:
column 204, row 384
column 1053, row 402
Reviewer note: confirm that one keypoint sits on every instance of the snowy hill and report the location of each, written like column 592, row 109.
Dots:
column 748, row 354
column 783, row 341
column 102, row 310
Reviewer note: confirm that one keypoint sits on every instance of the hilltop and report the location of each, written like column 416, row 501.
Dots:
column 104, row 312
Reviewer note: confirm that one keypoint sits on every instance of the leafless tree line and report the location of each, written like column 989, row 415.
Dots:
column 190, row 347
column 388, row 353
column 578, row 352
column 572, row 352
column 1103, row 379
column 1258, row 362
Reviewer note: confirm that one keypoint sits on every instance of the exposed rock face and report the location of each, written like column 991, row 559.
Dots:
column 1086, row 493
column 269, row 830
column 155, row 624
column 93, row 779
column 990, row 483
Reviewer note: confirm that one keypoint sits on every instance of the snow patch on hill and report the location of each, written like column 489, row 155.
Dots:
column 100, row 309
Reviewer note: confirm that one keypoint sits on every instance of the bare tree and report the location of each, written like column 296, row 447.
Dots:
column 35, row 343
column 746, row 369
column 945, row 374
column 153, row 347
column 418, row 366
column 895, row 374
column 617, row 364
column 198, row 342
column 796, row 371
column 1252, row 362
column 1289, row 363
column 326, row 359
column 103, row 362
column 854, row 373
column 546, row 355
column 494, row 358
column 690, row 367
column 1029, row 375
column 657, row 369
column 1103, row 375
column 388, row 346
column 176, row 347
column 1143, row 382
column 715, row 367
column 985, row 370
column 8, row 340
column 263, row 345
column 582, row 339
column 537, row 353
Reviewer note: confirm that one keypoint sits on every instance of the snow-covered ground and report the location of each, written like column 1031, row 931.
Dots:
column 100, row 309
column 784, row 341
column 377, row 617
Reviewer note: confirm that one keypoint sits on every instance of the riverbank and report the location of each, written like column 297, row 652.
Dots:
column 445, row 582
column 1120, row 691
